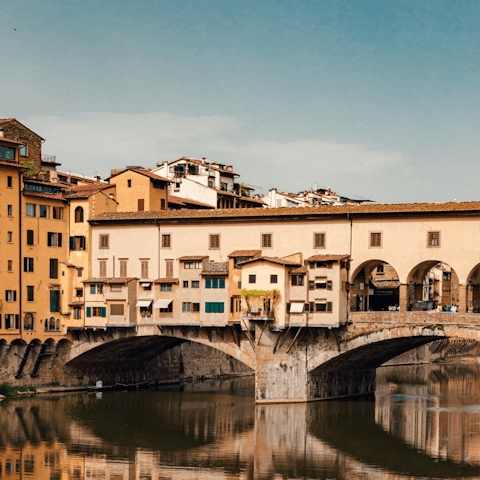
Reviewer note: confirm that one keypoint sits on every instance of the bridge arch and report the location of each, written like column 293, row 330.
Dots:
column 370, row 350
column 473, row 290
column 146, row 347
column 374, row 286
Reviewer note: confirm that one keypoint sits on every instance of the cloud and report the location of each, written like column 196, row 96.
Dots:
column 97, row 142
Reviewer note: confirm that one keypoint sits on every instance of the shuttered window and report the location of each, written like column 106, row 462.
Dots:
column 104, row 243
column 214, row 307
column 266, row 240
column 144, row 273
column 214, row 241
column 29, row 237
column 375, row 239
column 102, row 264
column 319, row 240
column 53, row 268
column 433, row 239
column 123, row 268
column 117, row 309
column 169, row 268
column 166, row 241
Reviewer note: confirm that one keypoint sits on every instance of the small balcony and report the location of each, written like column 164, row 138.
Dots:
column 256, row 313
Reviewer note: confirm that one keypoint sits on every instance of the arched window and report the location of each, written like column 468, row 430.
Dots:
column 29, row 322
column 79, row 215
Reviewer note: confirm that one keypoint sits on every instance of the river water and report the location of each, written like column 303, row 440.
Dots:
column 424, row 422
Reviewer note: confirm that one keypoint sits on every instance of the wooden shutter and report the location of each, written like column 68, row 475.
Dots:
column 104, row 241
column 266, row 240
column 214, row 241
column 29, row 237
column 72, row 243
column 103, row 312
column 329, row 285
column 144, row 273
column 141, row 205
column 311, row 285
column 169, row 268
column 59, row 241
column 329, row 306
column 103, row 268
column 319, row 240
column 123, row 268
column 166, row 241
column 375, row 239
column 288, row 307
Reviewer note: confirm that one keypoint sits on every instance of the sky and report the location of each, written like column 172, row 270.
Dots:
column 374, row 99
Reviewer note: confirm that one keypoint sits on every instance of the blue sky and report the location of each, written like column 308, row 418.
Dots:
column 371, row 98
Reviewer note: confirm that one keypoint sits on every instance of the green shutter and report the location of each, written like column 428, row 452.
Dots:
column 53, row 302
column 214, row 282
column 208, row 283
column 207, row 307
column 222, row 283
column 92, row 289
column 89, row 311
column 104, row 312
column 72, row 243
column 221, row 307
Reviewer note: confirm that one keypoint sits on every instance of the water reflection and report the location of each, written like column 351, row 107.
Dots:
column 424, row 423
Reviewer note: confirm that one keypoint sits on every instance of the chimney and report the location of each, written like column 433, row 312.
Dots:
column 2, row 133
column 316, row 186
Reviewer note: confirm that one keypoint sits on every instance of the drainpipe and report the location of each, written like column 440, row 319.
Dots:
column 158, row 249
column 348, row 266
column 20, row 255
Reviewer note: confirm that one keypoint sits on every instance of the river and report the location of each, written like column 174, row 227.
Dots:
column 424, row 422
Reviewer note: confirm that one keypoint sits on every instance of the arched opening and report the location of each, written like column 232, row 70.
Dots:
column 28, row 322
column 375, row 287
column 473, row 290
column 79, row 215
column 433, row 285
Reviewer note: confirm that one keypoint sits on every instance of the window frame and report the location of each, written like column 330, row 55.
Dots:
column 166, row 240
column 214, row 241
column 429, row 238
column 28, row 264
column 266, row 236
column 29, row 209
column 323, row 243
column 103, row 241
column 252, row 277
column 371, row 239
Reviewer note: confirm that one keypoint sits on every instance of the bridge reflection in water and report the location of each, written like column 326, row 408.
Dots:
column 424, row 423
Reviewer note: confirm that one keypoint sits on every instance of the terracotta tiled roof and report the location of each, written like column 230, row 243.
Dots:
column 85, row 191
column 166, row 280
column 147, row 173
column 9, row 140
column 215, row 268
column 192, row 257
column 300, row 270
column 110, row 280
column 278, row 260
column 309, row 212
column 6, row 120
column 385, row 284
column 41, row 182
column 52, row 196
column 244, row 253
column 186, row 201
column 11, row 164
column 327, row 258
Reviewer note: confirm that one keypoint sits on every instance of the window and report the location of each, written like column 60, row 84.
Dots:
column 168, row 309
column 10, row 182
column 298, row 280
column 79, row 272
column 319, row 240
column 77, row 243
column 53, row 268
column 10, row 295
column 380, row 270
column 7, row 153
column 322, row 307
column 52, row 324
column 43, row 211
column 29, row 237
column 165, row 287
column 9, row 237
column 140, row 204
column 186, row 307
column 266, row 240
column 54, row 239
column 116, row 288
column 252, row 279
column 102, row 268
column 99, row 288
column 57, row 213
column 79, row 215
column 214, row 307
column 162, row 204
column 144, row 268
column 10, row 210
column 117, row 309
column 166, row 241
column 214, row 241
column 210, row 183
column 103, row 241
column 28, row 264
column 129, row 183
column 10, row 265
column 10, row 321
column 169, row 268
column 54, row 300
column 185, row 284
column 30, row 293
column 23, row 150
column 214, row 283
column 375, row 239
column 29, row 322
column 97, row 312
column 123, row 268
column 30, row 209
column 273, row 278
column 195, row 284
column 77, row 313
column 79, row 292
column 433, row 239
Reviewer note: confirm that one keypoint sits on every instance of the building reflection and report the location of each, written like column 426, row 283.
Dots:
column 423, row 423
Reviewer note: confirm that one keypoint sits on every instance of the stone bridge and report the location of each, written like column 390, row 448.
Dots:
column 296, row 364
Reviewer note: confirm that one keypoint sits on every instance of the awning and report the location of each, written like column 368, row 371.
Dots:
column 143, row 303
column 146, row 284
column 296, row 307
column 163, row 303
